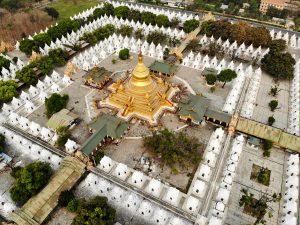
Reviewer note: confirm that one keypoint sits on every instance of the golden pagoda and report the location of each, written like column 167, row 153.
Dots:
column 141, row 95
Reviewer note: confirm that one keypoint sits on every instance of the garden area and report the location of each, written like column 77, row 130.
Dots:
column 260, row 175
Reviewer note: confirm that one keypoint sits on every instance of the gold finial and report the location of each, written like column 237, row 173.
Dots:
column 140, row 56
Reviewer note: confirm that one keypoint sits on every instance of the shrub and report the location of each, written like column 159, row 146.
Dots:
column 271, row 120
column 8, row 90
column 63, row 135
column 29, row 181
column 98, row 156
column 273, row 105
column 124, row 54
column 65, row 197
column 190, row 25
column 55, row 103
column 211, row 79
column 73, row 205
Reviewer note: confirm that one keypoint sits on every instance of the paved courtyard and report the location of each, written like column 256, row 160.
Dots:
column 275, row 163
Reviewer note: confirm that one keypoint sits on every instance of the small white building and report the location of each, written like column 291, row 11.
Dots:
column 71, row 146
column 137, row 179
column 106, row 164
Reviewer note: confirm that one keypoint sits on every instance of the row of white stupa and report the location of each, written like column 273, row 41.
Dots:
column 199, row 62
column 42, row 90
column 291, row 195
column 235, row 48
column 181, row 15
column 22, row 146
column 291, row 40
column 95, row 54
column 92, row 26
column 237, row 87
column 251, row 94
column 37, row 130
column 128, row 202
column 152, row 186
column 294, row 112
column 222, row 196
column 10, row 73
column 200, row 185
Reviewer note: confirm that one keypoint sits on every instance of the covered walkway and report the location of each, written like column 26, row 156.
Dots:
column 37, row 209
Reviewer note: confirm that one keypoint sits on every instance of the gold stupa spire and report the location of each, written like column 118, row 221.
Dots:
column 142, row 95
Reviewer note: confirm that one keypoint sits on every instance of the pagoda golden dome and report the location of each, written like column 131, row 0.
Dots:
column 141, row 74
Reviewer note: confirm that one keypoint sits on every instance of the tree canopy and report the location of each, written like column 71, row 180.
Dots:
column 8, row 90
column 95, row 212
column 162, row 20
column 211, row 79
column 241, row 32
column 124, row 54
column 148, row 17
column 279, row 65
column 2, row 143
column 4, row 62
column 27, row 75
column 157, row 37
column 259, row 207
column 226, row 75
column 190, row 25
column 55, row 103
column 29, row 181
column 52, row 12
column 121, row 11
column 174, row 147
column 125, row 30
column 63, row 135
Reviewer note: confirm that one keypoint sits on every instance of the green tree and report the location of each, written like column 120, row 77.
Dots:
column 98, row 156
column 226, row 75
column 8, row 90
column 156, row 37
column 52, row 12
column 40, row 40
column 73, row 205
column 139, row 34
column 162, row 20
column 4, row 63
column 2, row 143
column 211, row 79
column 99, row 12
column 63, row 135
column 125, row 30
column 277, row 45
column 27, row 75
column 65, row 197
column 29, row 181
column 59, row 56
column 174, row 22
column 174, row 147
column 273, row 105
column 259, row 208
column 190, row 25
column 124, row 54
column 108, row 9
column 279, row 65
column 121, row 11
column 266, row 146
column 148, row 17
column 45, row 65
column 95, row 212
column 55, row 103
column 274, row 12
column 26, row 46
column 271, row 120
column 134, row 15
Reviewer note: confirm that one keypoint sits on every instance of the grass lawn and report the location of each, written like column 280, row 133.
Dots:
column 67, row 8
